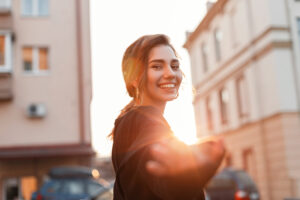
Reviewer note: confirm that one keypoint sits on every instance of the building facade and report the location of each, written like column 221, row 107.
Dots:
column 245, row 63
column 45, row 91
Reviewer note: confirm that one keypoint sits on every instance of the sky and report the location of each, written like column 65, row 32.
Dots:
column 115, row 24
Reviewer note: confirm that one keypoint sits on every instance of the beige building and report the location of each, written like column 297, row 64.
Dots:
column 245, row 60
column 45, row 90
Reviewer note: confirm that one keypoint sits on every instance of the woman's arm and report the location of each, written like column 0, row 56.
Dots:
column 158, row 164
column 173, row 170
column 177, row 184
column 172, row 157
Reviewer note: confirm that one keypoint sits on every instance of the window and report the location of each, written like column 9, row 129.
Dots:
column 35, row 7
column 209, row 114
column 19, row 187
column 73, row 187
column 93, row 188
column 4, row 5
column 224, row 103
column 217, row 38
column 35, row 60
column 52, row 187
column 242, row 95
column 204, row 57
column 2, row 50
column 5, row 52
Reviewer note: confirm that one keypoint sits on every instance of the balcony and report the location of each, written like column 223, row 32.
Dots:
column 5, row 7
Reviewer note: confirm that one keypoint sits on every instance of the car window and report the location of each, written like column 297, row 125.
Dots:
column 52, row 186
column 94, row 188
column 73, row 187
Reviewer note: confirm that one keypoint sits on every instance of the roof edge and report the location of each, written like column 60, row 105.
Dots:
column 204, row 24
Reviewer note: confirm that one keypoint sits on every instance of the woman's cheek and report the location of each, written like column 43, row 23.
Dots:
column 179, row 77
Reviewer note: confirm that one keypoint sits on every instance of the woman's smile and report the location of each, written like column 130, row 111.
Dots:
column 167, row 85
column 169, row 88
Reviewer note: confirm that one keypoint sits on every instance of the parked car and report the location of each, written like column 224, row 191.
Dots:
column 232, row 184
column 73, row 183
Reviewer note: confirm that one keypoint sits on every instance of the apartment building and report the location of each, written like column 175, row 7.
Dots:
column 245, row 63
column 45, row 91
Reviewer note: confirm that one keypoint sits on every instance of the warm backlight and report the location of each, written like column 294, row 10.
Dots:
column 187, row 138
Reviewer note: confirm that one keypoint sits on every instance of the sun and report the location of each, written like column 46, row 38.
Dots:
column 188, row 139
column 185, row 133
column 180, row 117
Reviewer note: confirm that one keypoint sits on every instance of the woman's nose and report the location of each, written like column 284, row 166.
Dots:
column 169, row 72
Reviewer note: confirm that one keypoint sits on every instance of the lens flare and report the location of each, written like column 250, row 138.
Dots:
column 188, row 139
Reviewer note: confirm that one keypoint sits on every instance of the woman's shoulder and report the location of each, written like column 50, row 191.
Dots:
column 141, row 119
column 137, row 128
column 142, row 115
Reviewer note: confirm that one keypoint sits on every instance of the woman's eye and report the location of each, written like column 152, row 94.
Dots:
column 175, row 67
column 156, row 66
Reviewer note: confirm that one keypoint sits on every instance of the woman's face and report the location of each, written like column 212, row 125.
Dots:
column 163, row 76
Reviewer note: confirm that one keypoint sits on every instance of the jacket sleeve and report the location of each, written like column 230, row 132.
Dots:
column 186, row 185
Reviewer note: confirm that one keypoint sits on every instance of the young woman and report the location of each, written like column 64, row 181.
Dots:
column 150, row 163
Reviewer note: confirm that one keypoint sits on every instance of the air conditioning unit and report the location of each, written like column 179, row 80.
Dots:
column 36, row 110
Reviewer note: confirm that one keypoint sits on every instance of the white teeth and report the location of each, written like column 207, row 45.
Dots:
column 168, row 86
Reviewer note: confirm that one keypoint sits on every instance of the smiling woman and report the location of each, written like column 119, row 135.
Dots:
column 150, row 163
column 163, row 77
column 173, row 18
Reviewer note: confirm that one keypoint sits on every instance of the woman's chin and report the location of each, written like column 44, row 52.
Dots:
column 171, row 97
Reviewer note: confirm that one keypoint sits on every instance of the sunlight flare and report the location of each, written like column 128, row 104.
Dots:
column 188, row 139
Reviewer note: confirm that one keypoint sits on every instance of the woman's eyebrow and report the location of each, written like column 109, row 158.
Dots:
column 162, row 60
column 157, row 60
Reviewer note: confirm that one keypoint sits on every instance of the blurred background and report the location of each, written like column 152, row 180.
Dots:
column 61, row 89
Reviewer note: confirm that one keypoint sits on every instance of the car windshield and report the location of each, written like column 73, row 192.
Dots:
column 94, row 188
column 73, row 187
column 52, row 186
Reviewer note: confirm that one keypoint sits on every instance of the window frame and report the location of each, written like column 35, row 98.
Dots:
column 224, row 106
column 7, row 67
column 209, row 114
column 217, row 41
column 35, row 9
column 6, row 5
column 35, row 61
column 242, row 97
column 204, row 57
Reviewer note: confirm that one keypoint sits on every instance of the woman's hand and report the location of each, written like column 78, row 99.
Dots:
column 172, row 157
